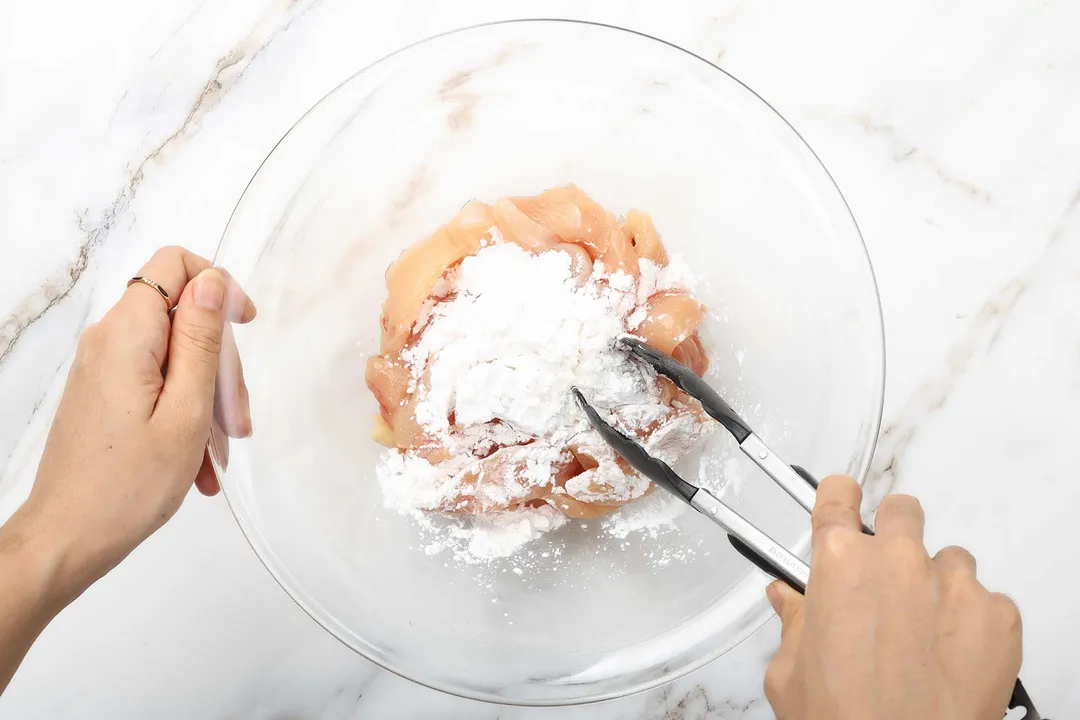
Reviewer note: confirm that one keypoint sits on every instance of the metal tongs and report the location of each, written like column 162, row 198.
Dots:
column 757, row 547
column 750, row 541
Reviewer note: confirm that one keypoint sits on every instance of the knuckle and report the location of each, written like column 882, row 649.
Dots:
column 900, row 505
column 1007, row 613
column 91, row 336
column 168, row 253
column 955, row 552
column 835, row 549
column 776, row 678
column 791, row 622
column 956, row 566
column 828, row 514
column 92, row 343
column 204, row 339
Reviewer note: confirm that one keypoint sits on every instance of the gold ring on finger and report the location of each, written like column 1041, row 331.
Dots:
column 161, row 291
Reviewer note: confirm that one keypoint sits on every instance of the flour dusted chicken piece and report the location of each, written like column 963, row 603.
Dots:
column 670, row 318
column 497, row 482
column 411, row 279
column 486, row 325
column 581, row 264
column 506, row 480
column 600, row 486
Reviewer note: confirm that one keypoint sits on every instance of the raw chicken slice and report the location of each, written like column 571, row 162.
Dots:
column 576, row 218
column 474, row 215
column 670, row 318
column 639, row 227
column 556, row 210
column 691, row 353
column 616, row 253
column 382, row 433
column 389, row 380
column 517, row 227
column 411, row 278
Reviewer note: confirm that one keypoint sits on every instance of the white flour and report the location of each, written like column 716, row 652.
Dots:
column 495, row 364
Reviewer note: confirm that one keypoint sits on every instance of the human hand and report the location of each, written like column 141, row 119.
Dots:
column 884, row 630
column 130, row 434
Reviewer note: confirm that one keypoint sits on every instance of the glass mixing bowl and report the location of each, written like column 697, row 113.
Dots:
column 794, row 333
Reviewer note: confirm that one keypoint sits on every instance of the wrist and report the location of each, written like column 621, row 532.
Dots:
column 41, row 557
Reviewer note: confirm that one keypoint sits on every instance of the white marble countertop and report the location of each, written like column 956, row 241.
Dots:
column 951, row 127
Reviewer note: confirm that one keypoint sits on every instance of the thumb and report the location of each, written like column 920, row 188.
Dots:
column 788, row 604
column 194, row 347
column 781, row 679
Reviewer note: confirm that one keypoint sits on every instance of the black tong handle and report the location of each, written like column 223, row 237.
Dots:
column 765, row 565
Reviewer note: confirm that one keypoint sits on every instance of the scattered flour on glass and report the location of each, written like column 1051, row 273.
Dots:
column 504, row 340
column 651, row 516
column 485, row 537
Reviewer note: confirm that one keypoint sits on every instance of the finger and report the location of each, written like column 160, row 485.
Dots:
column 144, row 313
column 231, row 409
column 172, row 268
column 955, row 560
column 900, row 516
column 139, row 340
column 238, row 306
column 788, row 605
column 169, row 267
column 218, row 444
column 206, row 481
column 187, row 399
column 837, row 505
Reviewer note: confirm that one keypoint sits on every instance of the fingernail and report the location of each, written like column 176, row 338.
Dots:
column 209, row 290
column 774, row 598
